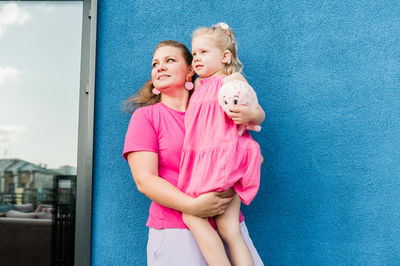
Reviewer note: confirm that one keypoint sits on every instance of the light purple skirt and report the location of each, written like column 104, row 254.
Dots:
column 175, row 247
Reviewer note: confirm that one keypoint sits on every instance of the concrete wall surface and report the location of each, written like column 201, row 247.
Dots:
column 327, row 74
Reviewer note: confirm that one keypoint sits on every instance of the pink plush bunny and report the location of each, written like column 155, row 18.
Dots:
column 235, row 93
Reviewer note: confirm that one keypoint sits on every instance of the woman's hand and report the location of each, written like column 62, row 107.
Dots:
column 211, row 204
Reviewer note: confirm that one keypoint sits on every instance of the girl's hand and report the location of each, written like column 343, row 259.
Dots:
column 245, row 114
column 241, row 114
column 211, row 204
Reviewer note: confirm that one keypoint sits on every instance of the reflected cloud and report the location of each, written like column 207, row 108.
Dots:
column 46, row 8
column 12, row 14
column 9, row 73
column 7, row 133
column 7, row 130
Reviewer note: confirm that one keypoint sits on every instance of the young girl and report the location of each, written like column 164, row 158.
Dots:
column 214, row 156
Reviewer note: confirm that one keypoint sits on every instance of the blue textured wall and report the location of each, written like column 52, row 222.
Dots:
column 327, row 75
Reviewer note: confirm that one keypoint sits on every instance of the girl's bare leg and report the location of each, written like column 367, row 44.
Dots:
column 229, row 229
column 207, row 238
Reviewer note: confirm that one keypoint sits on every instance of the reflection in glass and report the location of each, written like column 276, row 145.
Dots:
column 40, row 44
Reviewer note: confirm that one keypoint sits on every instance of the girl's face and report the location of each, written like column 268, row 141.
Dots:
column 169, row 69
column 208, row 59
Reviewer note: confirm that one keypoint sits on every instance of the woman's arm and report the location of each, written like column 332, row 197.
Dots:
column 243, row 113
column 144, row 168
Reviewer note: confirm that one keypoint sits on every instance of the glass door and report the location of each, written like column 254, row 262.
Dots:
column 40, row 57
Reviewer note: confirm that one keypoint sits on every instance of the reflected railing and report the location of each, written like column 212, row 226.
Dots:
column 63, row 229
column 28, row 195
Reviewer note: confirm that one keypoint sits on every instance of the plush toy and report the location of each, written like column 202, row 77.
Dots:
column 235, row 93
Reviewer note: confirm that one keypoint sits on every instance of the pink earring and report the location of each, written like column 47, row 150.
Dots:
column 155, row 91
column 189, row 84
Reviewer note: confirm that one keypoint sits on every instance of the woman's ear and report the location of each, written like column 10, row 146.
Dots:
column 191, row 72
column 227, row 57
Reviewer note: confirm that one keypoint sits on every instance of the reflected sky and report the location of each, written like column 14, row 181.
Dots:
column 40, row 45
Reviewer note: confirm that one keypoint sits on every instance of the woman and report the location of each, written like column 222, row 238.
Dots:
column 153, row 146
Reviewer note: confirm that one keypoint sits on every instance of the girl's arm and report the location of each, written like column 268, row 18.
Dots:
column 144, row 168
column 243, row 113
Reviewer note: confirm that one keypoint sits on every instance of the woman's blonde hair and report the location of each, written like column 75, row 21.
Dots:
column 145, row 95
column 225, row 39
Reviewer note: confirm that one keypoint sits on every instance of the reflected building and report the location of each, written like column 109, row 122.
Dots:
column 22, row 181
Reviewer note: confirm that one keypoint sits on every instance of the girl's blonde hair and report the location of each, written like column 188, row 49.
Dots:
column 145, row 95
column 225, row 39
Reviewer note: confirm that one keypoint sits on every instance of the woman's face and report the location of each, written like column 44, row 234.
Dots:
column 169, row 69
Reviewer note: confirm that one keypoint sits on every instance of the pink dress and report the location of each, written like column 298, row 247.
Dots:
column 214, row 156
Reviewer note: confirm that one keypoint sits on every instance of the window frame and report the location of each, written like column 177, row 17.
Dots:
column 83, row 218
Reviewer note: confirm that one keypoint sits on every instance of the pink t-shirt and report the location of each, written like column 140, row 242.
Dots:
column 160, row 129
